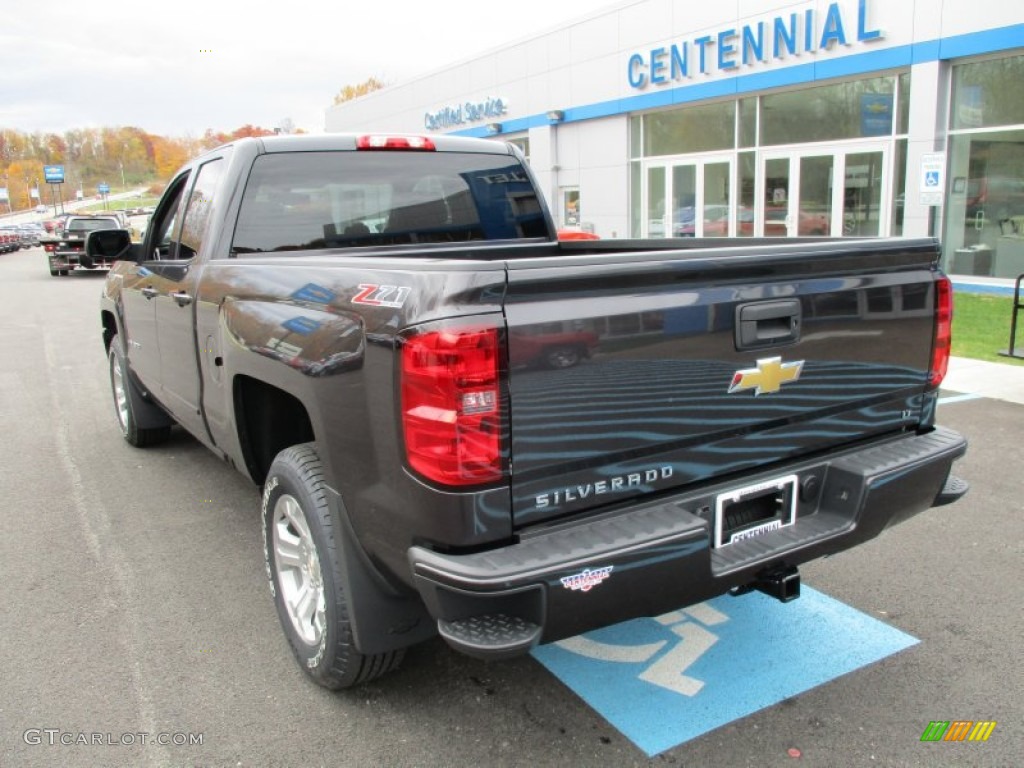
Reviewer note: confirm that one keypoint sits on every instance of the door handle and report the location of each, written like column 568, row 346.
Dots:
column 182, row 298
column 767, row 323
column 149, row 292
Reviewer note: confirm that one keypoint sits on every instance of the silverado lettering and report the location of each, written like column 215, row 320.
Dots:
column 528, row 416
column 601, row 487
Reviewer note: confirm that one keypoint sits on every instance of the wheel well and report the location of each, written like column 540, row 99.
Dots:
column 269, row 420
column 109, row 328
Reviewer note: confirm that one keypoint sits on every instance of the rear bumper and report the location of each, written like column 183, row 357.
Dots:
column 651, row 558
column 73, row 259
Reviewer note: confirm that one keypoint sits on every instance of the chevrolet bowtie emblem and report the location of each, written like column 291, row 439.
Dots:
column 769, row 376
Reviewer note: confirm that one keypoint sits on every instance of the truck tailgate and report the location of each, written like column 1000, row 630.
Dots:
column 635, row 373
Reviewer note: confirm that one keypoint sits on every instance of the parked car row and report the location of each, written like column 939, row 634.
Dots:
column 9, row 241
column 16, row 236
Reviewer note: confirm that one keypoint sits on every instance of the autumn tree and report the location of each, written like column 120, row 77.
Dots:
column 94, row 155
column 168, row 156
column 20, row 178
column 350, row 92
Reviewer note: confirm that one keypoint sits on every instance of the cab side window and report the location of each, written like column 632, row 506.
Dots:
column 162, row 239
column 196, row 223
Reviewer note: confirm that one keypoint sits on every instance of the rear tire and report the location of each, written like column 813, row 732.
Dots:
column 302, row 555
column 126, row 401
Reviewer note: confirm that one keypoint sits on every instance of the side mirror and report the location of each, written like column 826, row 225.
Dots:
column 111, row 244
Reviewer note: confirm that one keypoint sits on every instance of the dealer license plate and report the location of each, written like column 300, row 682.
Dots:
column 755, row 510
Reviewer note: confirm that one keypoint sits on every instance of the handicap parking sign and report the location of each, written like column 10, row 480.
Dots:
column 666, row 680
column 933, row 173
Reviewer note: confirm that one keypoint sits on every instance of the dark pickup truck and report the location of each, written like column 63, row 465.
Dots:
column 65, row 250
column 462, row 426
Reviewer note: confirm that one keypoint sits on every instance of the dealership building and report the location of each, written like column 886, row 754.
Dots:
column 756, row 117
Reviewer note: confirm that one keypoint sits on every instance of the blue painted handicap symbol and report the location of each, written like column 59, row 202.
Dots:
column 931, row 179
column 666, row 680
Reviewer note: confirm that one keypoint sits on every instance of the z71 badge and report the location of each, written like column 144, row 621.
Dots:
column 382, row 295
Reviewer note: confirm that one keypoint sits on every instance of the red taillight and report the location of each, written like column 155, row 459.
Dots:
column 451, row 405
column 943, row 331
column 383, row 141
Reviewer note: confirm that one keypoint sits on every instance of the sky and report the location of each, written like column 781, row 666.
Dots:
column 177, row 69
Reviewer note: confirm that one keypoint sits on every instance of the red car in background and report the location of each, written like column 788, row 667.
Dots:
column 809, row 224
column 552, row 345
column 576, row 234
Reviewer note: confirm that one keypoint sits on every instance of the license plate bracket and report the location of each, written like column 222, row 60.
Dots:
column 755, row 510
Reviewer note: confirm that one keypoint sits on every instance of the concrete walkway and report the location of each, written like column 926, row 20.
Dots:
column 999, row 381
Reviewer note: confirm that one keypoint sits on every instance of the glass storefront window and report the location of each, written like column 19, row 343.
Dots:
column 776, row 204
column 684, row 200
column 984, row 216
column 762, row 134
column 701, row 128
column 656, row 202
column 899, row 195
column 635, row 194
column 985, row 210
column 748, row 122
column 716, row 199
column 862, row 194
column 857, row 109
column 571, row 207
column 987, row 93
column 747, row 192
column 636, row 136
column 815, row 211
column 903, row 118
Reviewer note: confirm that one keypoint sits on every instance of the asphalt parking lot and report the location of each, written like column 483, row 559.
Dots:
column 135, row 602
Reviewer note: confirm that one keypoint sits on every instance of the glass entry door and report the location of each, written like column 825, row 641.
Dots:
column 864, row 193
column 800, row 197
column 689, row 199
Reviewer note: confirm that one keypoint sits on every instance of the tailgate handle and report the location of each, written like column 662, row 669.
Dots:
column 767, row 323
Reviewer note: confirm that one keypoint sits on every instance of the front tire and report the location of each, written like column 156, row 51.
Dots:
column 126, row 399
column 302, row 556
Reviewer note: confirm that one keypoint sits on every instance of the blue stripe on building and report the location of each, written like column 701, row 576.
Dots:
column 896, row 57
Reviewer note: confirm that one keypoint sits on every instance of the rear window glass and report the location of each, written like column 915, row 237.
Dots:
column 89, row 225
column 301, row 201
